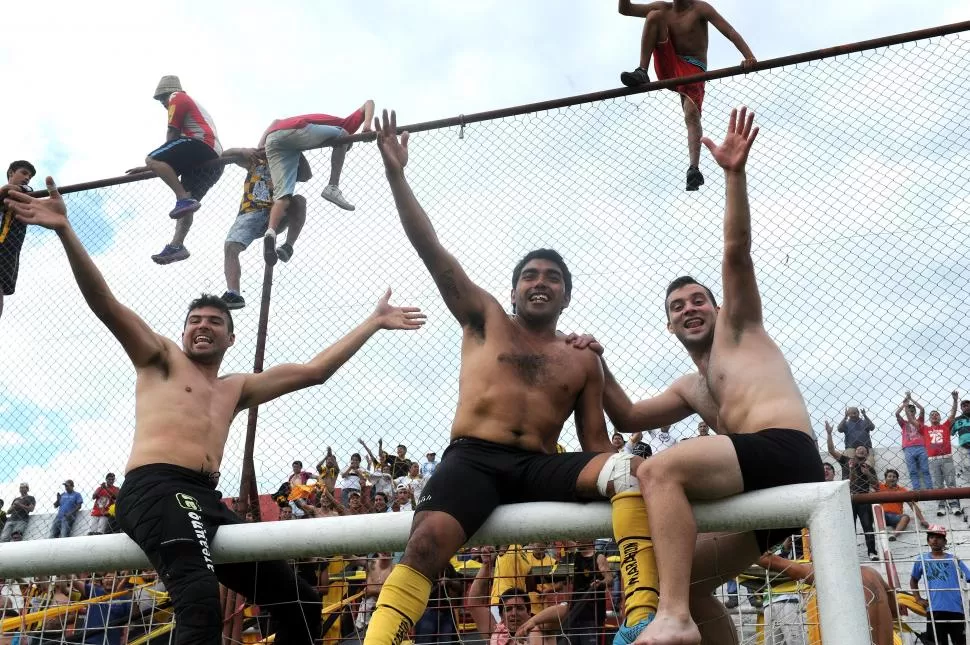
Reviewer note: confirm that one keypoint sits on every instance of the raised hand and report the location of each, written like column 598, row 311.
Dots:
column 391, row 317
column 393, row 151
column 828, row 427
column 732, row 154
column 49, row 212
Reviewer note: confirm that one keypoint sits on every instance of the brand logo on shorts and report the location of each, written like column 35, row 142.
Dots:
column 199, row 529
column 426, row 498
column 187, row 502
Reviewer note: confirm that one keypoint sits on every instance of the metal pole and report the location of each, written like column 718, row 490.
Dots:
column 247, row 482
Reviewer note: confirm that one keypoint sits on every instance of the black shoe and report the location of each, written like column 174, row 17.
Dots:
column 732, row 601
column 694, row 178
column 639, row 76
column 284, row 252
column 269, row 248
column 233, row 300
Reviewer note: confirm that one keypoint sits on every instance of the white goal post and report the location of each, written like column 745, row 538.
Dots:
column 824, row 508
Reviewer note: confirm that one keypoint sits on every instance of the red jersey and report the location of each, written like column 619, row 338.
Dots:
column 350, row 123
column 912, row 434
column 937, row 439
column 192, row 120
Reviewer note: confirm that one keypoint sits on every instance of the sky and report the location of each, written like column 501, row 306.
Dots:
column 860, row 190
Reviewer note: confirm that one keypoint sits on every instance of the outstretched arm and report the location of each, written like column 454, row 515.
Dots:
column 920, row 411
column 464, row 299
column 953, row 408
column 142, row 345
column 742, row 301
column 627, row 8
column 828, row 440
column 728, row 32
column 282, row 379
column 242, row 157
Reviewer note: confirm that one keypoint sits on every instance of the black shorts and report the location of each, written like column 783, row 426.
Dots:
column 187, row 157
column 12, row 232
column 173, row 514
column 475, row 476
column 777, row 457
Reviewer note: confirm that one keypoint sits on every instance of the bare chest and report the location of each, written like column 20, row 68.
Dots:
column 689, row 33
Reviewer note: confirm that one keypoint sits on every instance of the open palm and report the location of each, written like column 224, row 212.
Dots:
column 393, row 151
column 390, row 317
column 50, row 212
column 732, row 154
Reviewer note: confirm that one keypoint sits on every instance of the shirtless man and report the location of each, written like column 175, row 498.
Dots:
column 743, row 389
column 519, row 383
column 880, row 598
column 676, row 35
column 183, row 409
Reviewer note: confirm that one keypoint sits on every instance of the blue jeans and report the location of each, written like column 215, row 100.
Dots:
column 62, row 526
column 918, row 465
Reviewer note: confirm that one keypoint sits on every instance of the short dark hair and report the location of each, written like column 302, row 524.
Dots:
column 401, row 445
column 298, row 463
column 356, row 454
column 515, row 592
column 21, row 163
column 827, row 464
column 683, row 281
column 382, row 496
column 544, row 254
column 210, row 300
column 890, row 470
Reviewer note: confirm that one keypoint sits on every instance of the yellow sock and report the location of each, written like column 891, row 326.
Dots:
column 401, row 603
column 638, row 568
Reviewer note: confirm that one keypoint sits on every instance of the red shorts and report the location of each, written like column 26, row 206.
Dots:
column 669, row 65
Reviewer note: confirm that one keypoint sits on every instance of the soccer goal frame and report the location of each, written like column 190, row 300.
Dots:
column 824, row 508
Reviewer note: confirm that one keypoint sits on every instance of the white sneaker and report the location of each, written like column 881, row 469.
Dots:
column 332, row 194
column 873, row 557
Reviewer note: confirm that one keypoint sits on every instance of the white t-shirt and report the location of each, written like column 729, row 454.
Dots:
column 416, row 485
column 352, row 481
column 660, row 441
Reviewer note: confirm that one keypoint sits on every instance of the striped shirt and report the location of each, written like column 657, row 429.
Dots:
column 192, row 120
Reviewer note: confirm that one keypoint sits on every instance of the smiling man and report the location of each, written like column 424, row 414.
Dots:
column 520, row 382
column 169, row 504
column 744, row 389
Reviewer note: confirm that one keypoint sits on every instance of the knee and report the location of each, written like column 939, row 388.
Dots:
column 423, row 553
column 299, row 204
column 652, row 472
column 654, row 19
column 233, row 249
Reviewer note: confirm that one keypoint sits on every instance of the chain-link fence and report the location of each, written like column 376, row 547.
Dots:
column 859, row 188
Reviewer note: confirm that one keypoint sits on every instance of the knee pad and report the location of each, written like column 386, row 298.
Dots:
column 617, row 470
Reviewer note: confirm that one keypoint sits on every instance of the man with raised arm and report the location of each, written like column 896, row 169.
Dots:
column 675, row 34
column 183, row 408
column 744, row 389
column 520, row 381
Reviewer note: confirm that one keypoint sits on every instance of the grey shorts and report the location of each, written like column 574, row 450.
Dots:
column 248, row 227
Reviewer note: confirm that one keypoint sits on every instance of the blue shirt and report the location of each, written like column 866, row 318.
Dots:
column 942, row 581
column 113, row 613
column 70, row 502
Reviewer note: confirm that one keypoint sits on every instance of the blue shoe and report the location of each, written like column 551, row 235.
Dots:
column 626, row 635
column 171, row 254
column 184, row 207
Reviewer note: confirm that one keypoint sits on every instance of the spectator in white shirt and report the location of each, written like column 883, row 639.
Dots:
column 661, row 439
column 427, row 468
column 352, row 479
column 413, row 480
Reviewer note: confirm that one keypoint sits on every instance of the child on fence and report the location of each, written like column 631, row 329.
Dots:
column 253, row 217
column 284, row 140
column 945, row 606
column 12, row 230
column 182, row 161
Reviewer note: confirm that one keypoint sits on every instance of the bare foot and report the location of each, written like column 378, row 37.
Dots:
column 670, row 630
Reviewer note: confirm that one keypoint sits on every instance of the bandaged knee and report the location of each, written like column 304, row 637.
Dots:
column 616, row 471
column 638, row 567
column 401, row 603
